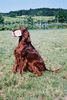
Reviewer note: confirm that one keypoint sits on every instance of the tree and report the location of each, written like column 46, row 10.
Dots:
column 1, row 22
column 61, row 16
column 29, row 21
column 12, row 14
column 1, row 19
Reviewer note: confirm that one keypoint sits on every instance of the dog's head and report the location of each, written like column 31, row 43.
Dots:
column 18, row 32
column 22, row 33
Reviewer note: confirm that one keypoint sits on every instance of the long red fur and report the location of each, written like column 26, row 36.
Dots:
column 27, row 57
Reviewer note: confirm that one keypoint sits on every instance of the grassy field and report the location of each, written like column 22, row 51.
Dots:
column 15, row 22
column 52, row 45
column 21, row 18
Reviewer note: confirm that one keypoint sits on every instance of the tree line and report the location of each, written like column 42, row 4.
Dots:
column 35, row 12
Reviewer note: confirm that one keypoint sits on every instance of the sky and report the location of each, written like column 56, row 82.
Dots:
column 13, row 5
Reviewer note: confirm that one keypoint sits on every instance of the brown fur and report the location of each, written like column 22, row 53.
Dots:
column 26, row 56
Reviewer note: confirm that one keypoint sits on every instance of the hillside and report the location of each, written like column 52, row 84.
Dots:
column 35, row 12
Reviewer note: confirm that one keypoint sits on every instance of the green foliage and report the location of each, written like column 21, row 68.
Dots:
column 1, row 19
column 12, row 14
column 32, row 22
column 29, row 22
column 35, row 12
column 1, row 22
column 61, row 16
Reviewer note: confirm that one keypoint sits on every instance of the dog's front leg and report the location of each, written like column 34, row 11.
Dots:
column 23, row 64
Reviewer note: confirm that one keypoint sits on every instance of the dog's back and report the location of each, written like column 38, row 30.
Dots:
column 34, row 57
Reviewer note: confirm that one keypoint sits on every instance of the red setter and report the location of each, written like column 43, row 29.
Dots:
column 26, row 56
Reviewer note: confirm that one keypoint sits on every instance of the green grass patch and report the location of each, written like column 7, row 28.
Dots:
column 52, row 46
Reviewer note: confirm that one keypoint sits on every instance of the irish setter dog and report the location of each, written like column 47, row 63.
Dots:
column 26, row 56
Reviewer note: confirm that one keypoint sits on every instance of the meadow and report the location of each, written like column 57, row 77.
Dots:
column 14, row 22
column 23, row 17
column 52, row 46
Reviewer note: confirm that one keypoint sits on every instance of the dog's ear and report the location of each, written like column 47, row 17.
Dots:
column 28, row 39
column 26, row 34
column 23, row 29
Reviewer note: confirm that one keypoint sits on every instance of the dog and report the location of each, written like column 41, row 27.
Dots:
column 26, row 56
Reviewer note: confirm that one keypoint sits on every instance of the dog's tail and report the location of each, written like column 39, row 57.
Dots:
column 53, row 70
